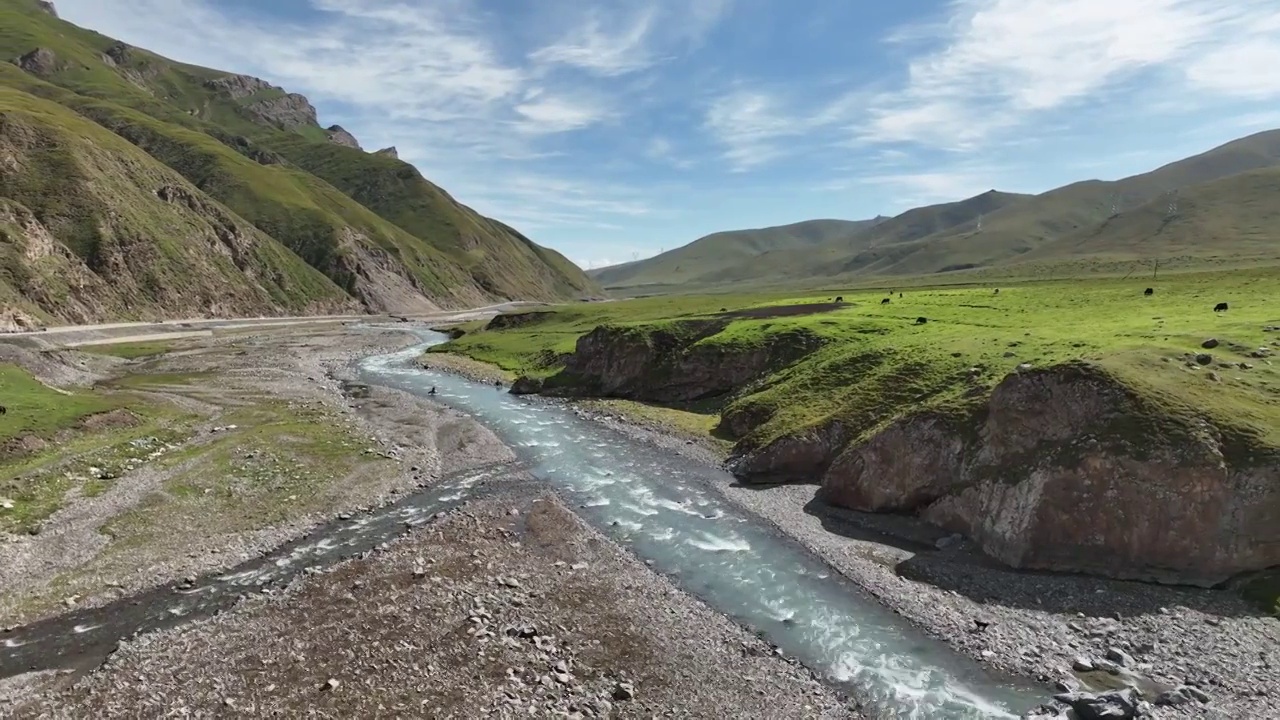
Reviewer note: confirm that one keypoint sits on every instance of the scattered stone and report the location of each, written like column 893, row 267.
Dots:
column 1173, row 697
column 624, row 691
column 949, row 541
column 1120, row 657
column 1111, row 705
column 331, row 684
column 1196, row 693
column 1204, row 358
column 1209, row 344
column 1082, row 664
column 6, row 504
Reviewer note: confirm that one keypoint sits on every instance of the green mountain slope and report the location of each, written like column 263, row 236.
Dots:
column 1220, row 197
column 1015, row 232
column 92, row 228
column 259, row 151
column 868, row 247
column 1236, row 215
column 712, row 253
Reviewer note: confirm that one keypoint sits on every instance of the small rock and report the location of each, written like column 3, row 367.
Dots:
column 949, row 541
column 1196, row 693
column 1107, row 666
column 624, row 691
column 1111, row 705
column 1120, row 657
column 6, row 504
column 1209, row 344
column 1204, row 358
column 331, row 684
column 1082, row 664
column 1173, row 697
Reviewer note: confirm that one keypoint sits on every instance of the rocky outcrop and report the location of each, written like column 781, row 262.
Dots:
column 669, row 364
column 338, row 135
column 48, row 7
column 506, row 321
column 39, row 62
column 1068, row 469
column 527, row 386
column 390, row 152
column 12, row 321
column 238, row 87
column 288, row 112
column 267, row 103
column 798, row 457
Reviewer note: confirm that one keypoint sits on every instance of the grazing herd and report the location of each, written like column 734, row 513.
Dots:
column 1220, row 307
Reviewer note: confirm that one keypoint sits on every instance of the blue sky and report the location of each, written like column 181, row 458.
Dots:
column 610, row 130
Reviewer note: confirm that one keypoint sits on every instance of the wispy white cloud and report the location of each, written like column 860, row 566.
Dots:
column 603, row 51
column 995, row 65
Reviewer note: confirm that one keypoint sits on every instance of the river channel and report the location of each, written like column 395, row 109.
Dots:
column 664, row 507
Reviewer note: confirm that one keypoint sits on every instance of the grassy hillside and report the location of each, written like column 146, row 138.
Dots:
column 712, row 253
column 259, row 151
column 1238, row 214
column 93, row 228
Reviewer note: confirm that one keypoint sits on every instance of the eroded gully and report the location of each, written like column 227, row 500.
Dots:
column 662, row 506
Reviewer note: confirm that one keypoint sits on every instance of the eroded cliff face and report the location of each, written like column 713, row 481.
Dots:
column 669, row 365
column 1069, row 470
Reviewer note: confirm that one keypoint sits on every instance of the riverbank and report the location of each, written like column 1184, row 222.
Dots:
column 1051, row 627
column 260, row 443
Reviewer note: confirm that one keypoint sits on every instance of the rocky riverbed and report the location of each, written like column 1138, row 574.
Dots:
column 508, row 607
column 511, row 605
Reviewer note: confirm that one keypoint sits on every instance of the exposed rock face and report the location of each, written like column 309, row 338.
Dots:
column 510, row 320
column 1072, row 471
column 377, row 279
column 340, row 136
column 48, row 7
column 16, row 321
column 799, row 457
column 240, row 86
column 38, row 62
column 924, row 453
column 527, row 386
column 668, row 365
column 287, row 111
column 389, row 152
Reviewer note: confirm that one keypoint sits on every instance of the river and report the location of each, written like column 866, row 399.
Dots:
column 664, row 507
column 667, row 510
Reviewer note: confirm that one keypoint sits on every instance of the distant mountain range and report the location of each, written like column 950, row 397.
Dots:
column 134, row 186
column 1225, row 202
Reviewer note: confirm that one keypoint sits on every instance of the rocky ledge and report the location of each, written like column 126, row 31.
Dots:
column 667, row 364
column 1068, row 469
